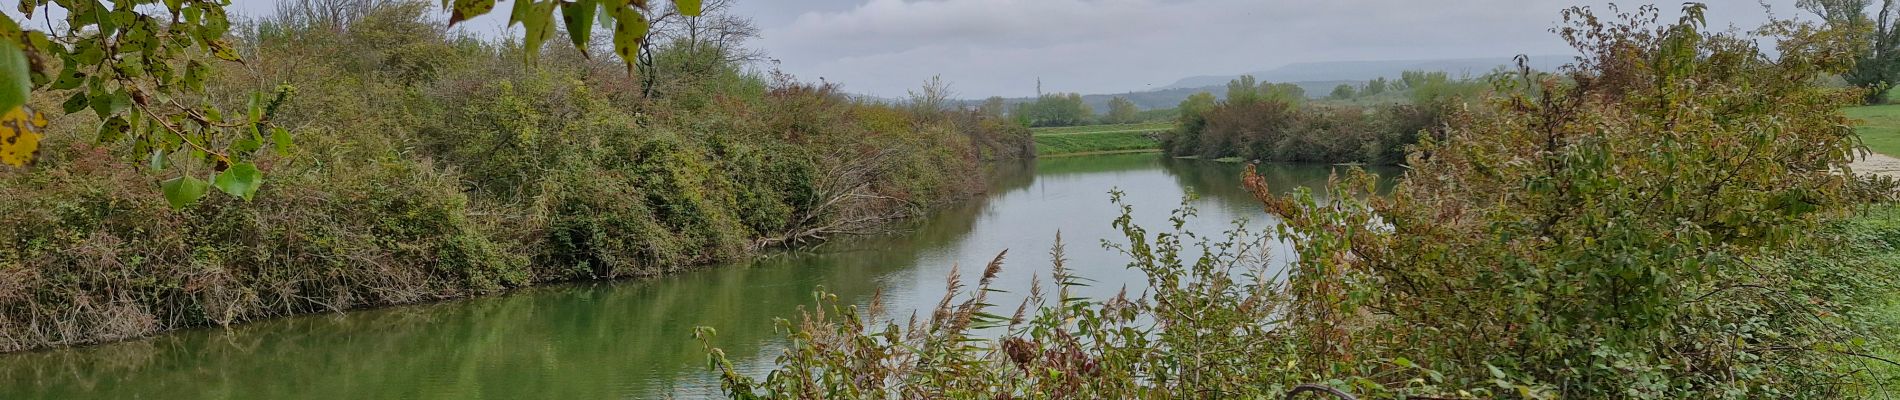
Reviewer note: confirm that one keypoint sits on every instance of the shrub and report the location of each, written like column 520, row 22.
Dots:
column 94, row 253
column 1265, row 127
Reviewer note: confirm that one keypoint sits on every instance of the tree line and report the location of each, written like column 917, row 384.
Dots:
column 1275, row 122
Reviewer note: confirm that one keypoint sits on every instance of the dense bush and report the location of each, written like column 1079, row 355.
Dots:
column 1273, row 122
column 1058, row 109
column 429, row 165
column 92, row 252
column 1664, row 220
column 1283, row 132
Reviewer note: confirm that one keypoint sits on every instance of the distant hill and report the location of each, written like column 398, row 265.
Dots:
column 1369, row 70
column 1318, row 78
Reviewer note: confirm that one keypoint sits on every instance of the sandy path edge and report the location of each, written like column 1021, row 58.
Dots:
column 1876, row 163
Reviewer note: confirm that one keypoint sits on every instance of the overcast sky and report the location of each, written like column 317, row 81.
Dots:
column 1001, row 47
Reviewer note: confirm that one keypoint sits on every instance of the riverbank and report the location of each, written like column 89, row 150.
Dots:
column 633, row 338
column 460, row 174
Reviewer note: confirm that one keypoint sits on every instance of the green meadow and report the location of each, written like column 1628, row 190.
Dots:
column 1099, row 139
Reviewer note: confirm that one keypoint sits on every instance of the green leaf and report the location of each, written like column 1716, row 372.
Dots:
column 113, row 130
column 158, row 160
column 195, row 75
column 88, row 53
column 70, row 78
column 109, row 104
column 245, row 146
column 77, row 103
column 687, row 7
column 579, row 16
column 539, row 28
column 14, row 84
column 256, row 108
column 27, row 6
column 241, row 180
column 280, row 139
column 520, row 12
column 37, row 43
column 184, row 191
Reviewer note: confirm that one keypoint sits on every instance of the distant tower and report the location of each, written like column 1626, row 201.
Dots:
column 1038, row 87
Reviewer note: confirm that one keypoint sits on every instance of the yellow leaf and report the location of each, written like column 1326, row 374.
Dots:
column 20, row 135
column 465, row 9
column 629, row 30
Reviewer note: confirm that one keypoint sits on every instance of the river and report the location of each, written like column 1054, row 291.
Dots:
column 633, row 339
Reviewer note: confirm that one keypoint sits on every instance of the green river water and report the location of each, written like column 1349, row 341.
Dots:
column 633, row 339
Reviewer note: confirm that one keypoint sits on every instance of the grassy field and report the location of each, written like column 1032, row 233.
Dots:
column 1879, row 127
column 1097, row 139
column 1878, row 231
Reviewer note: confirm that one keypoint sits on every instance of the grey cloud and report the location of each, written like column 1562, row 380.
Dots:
column 1000, row 47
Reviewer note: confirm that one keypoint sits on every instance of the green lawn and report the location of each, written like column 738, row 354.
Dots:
column 1880, row 226
column 1095, row 143
column 1098, row 139
column 1879, row 127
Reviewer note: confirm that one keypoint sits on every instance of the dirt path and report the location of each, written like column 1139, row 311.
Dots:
column 1876, row 163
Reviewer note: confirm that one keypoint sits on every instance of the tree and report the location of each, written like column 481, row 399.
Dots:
column 1122, row 111
column 1195, row 106
column 709, row 41
column 1243, row 90
column 1431, row 89
column 1055, row 109
column 1375, row 87
column 1289, row 93
column 1078, row 110
column 1412, row 79
column 1344, row 92
column 1246, row 90
column 994, row 106
column 1192, row 121
column 332, row 15
column 1877, row 63
column 930, row 101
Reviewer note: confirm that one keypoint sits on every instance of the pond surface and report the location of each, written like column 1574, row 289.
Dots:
column 633, row 339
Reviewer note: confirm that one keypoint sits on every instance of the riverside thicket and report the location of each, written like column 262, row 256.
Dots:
column 432, row 165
